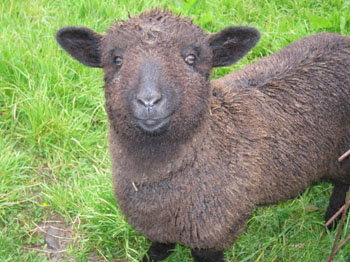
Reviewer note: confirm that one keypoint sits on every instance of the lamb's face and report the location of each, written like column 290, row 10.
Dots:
column 157, row 69
column 156, row 75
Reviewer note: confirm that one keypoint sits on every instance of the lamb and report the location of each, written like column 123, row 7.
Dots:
column 191, row 157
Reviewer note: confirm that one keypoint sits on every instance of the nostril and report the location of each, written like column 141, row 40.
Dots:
column 157, row 100
column 140, row 101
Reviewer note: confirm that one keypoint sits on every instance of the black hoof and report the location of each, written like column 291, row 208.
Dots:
column 207, row 255
column 158, row 251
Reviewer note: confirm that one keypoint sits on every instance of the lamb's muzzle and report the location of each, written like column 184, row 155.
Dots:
column 150, row 104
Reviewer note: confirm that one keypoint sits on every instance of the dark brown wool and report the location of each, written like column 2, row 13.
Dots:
column 258, row 136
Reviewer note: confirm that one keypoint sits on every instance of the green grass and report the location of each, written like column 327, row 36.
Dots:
column 53, row 140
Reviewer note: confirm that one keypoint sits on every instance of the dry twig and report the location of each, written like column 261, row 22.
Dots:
column 343, row 210
column 345, row 155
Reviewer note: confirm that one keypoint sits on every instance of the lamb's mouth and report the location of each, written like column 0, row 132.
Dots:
column 153, row 126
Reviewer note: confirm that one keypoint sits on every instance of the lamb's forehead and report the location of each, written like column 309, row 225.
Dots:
column 154, row 28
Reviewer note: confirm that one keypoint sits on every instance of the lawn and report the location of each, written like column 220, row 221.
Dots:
column 54, row 162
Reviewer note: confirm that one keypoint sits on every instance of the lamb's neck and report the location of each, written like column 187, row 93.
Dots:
column 156, row 160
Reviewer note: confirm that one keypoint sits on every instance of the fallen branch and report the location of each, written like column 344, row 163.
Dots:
column 335, row 216
column 335, row 249
column 343, row 210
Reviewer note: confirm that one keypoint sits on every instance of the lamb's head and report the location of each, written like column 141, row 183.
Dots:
column 157, row 69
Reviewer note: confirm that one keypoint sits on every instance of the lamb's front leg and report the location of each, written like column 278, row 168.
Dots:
column 158, row 251
column 207, row 255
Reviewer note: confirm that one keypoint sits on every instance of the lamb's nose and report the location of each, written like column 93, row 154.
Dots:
column 149, row 99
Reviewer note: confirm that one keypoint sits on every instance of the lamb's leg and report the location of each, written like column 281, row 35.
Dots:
column 336, row 201
column 158, row 251
column 207, row 255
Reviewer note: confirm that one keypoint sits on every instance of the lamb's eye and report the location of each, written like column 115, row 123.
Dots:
column 118, row 61
column 190, row 59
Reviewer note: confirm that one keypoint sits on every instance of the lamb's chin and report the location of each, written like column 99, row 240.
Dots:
column 153, row 127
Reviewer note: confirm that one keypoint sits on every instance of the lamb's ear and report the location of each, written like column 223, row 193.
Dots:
column 232, row 43
column 82, row 43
